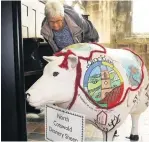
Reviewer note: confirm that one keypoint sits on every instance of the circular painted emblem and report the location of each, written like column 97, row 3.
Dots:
column 104, row 84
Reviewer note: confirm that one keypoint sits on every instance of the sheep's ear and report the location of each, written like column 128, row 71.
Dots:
column 49, row 58
column 73, row 61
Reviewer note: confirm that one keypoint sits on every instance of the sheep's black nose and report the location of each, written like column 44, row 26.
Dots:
column 27, row 95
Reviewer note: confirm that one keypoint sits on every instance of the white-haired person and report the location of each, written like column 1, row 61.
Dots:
column 62, row 26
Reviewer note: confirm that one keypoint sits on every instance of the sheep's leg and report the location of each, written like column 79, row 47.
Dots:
column 134, row 130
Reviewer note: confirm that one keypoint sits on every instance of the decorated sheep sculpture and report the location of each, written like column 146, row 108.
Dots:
column 106, row 85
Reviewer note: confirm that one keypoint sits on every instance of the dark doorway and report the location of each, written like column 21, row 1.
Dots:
column 13, row 98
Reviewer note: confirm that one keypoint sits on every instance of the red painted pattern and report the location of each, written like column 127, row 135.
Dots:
column 111, row 104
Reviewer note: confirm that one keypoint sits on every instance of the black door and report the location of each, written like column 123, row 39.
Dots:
column 12, row 74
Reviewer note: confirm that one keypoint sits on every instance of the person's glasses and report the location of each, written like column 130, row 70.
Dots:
column 55, row 22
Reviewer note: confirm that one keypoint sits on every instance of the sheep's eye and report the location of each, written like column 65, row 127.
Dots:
column 55, row 74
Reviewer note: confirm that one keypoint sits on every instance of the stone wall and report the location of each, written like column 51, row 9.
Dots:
column 112, row 20
column 99, row 12
column 120, row 20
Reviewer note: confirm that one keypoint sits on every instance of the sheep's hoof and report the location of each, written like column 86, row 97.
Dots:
column 134, row 137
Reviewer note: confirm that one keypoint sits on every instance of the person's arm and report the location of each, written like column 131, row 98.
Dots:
column 90, row 34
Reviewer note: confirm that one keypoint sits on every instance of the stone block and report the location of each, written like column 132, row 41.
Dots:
column 95, row 7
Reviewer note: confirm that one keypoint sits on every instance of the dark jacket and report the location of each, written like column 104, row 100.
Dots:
column 81, row 29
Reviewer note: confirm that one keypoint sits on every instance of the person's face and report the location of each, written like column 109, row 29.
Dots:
column 56, row 23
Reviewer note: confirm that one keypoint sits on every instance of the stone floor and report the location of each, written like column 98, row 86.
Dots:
column 36, row 129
